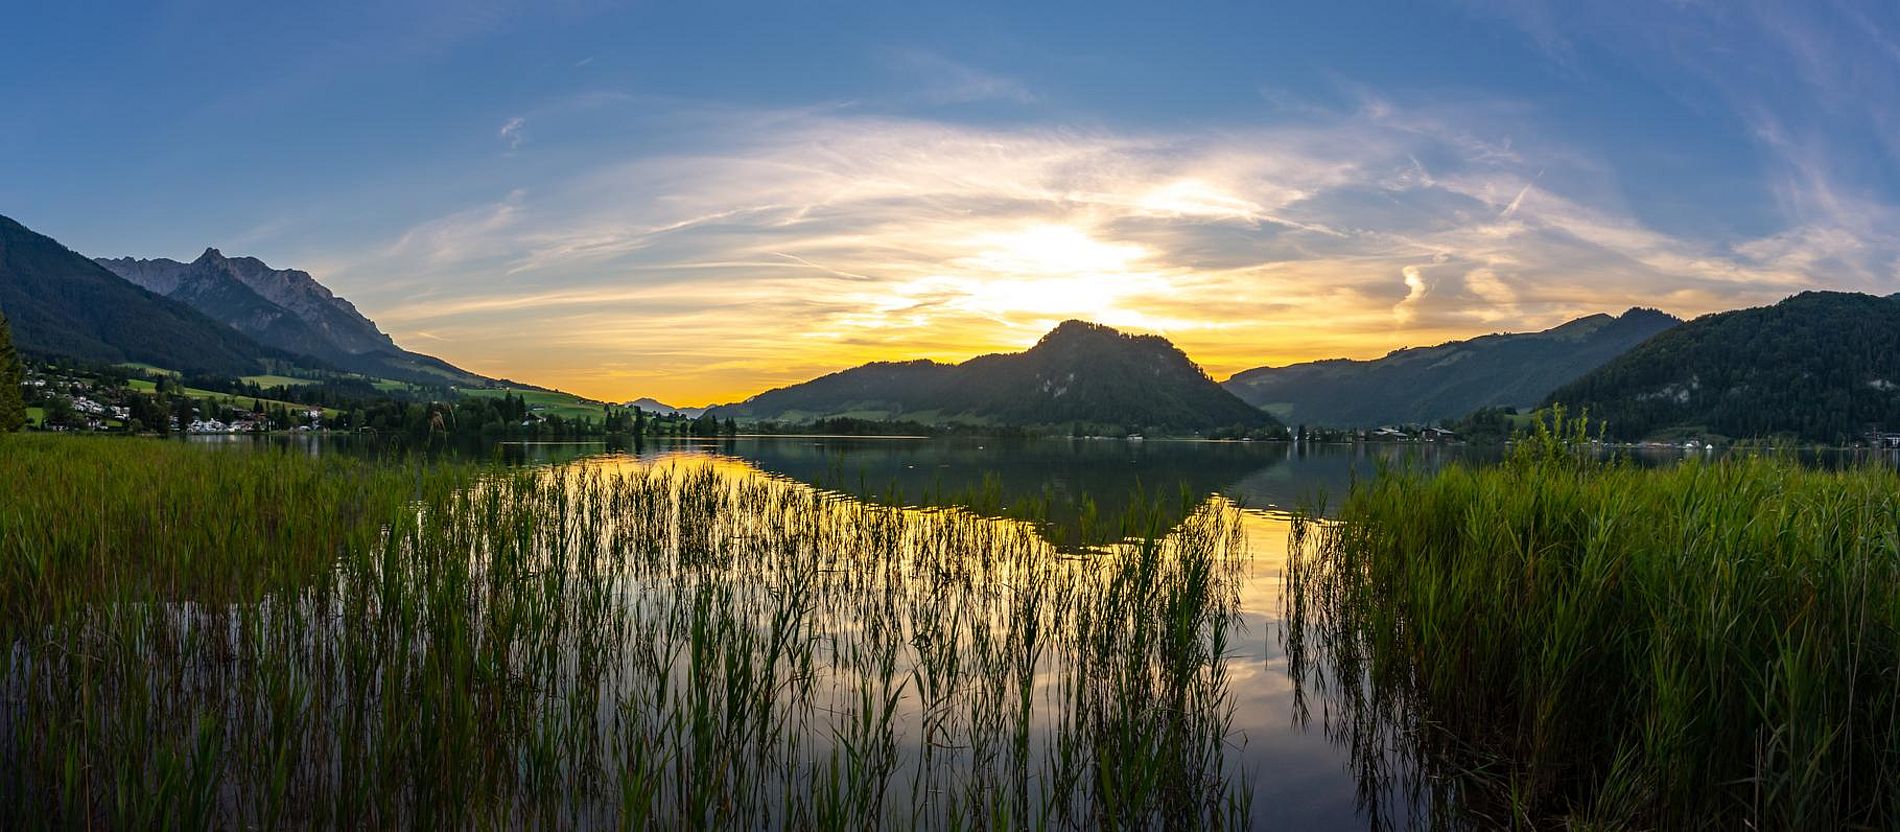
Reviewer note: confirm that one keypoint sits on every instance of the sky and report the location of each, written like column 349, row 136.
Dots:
column 700, row 201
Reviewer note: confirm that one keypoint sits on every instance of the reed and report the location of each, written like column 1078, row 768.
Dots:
column 1558, row 641
column 230, row 639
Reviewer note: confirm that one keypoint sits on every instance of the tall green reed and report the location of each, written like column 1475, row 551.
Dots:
column 1559, row 641
column 234, row 639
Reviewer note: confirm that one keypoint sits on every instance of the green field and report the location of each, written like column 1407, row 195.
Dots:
column 547, row 403
column 133, row 365
column 389, row 385
column 229, row 399
column 35, row 416
column 144, row 386
column 276, row 381
column 564, row 405
column 245, row 401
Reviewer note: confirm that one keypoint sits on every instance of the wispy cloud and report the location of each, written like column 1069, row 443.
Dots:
column 511, row 132
column 1817, row 87
column 1518, row 201
column 789, row 243
column 944, row 81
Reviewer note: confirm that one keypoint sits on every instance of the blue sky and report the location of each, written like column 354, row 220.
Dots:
column 697, row 201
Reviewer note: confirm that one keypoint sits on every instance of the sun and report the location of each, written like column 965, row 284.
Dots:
column 1050, row 250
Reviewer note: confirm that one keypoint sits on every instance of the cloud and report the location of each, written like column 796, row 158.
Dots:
column 1499, row 299
column 1816, row 87
column 1415, row 290
column 1518, row 201
column 780, row 244
column 944, row 81
column 511, row 132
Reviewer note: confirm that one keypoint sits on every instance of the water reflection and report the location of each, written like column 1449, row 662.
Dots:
column 1060, row 483
column 1297, row 777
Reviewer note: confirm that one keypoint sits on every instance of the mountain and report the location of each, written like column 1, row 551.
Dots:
column 1423, row 385
column 1819, row 366
column 286, row 309
column 1079, row 373
column 655, row 406
column 61, row 303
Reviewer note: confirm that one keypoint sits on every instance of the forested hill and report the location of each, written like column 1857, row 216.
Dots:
column 1080, row 374
column 1423, row 385
column 1819, row 367
column 61, row 303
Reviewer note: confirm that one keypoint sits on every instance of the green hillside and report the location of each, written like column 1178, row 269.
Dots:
column 1818, row 367
column 547, row 402
column 60, row 303
column 1423, row 385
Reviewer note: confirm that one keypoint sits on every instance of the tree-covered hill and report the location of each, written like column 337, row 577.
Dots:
column 1819, row 366
column 1423, row 385
column 61, row 303
column 1079, row 374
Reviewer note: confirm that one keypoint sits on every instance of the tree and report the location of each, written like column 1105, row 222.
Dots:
column 12, row 406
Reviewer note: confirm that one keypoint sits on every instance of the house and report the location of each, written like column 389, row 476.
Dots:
column 1388, row 432
column 1439, row 435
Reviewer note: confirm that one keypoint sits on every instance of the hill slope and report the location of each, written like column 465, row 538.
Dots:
column 61, row 303
column 1426, row 384
column 1820, row 366
column 286, row 309
column 652, row 405
column 1078, row 373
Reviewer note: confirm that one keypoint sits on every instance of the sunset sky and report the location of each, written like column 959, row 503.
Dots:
column 697, row 201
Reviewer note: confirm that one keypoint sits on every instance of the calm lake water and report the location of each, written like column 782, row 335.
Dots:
column 1297, row 776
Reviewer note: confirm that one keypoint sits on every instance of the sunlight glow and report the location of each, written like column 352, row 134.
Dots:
column 1051, row 250
column 1196, row 198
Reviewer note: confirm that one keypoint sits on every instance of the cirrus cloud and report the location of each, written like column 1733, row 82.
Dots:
column 780, row 245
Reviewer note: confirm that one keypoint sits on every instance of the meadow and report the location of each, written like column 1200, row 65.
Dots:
column 203, row 638
column 1564, row 642
column 549, row 402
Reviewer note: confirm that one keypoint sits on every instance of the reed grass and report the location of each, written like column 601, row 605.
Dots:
column 265, row 640
column 1560, row 642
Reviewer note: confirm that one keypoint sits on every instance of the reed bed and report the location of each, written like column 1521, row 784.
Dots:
column 1561, row 642
column 263, row 640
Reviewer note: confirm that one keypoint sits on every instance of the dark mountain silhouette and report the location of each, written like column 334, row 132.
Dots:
column 1427, row 384
column 1819, row 366
column 61, row 303
column 1078, row 374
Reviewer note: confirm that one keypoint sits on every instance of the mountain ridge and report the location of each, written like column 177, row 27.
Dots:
column 1426, row 384
column 1078, row 373
column 60, row 302
column 1818, row 366
column 286, row 309
column 652, row 405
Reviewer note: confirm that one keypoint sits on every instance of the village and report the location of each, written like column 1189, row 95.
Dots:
column 69, row 399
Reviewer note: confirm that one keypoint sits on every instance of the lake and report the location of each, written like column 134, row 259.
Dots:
column 1277, row 765
column 1069, row 492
